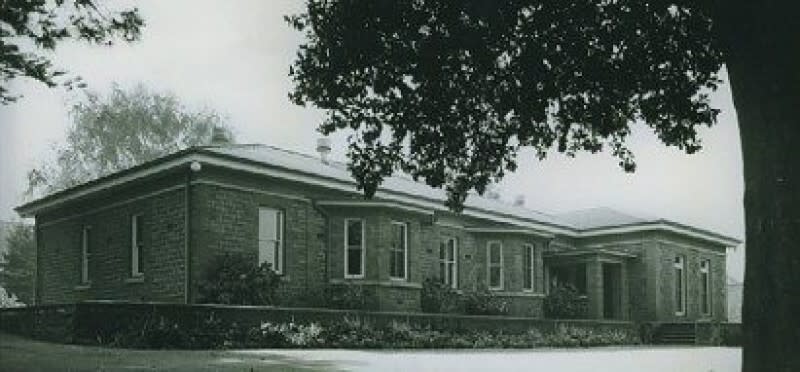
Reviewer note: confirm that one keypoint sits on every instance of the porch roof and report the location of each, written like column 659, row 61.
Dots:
column 589, row 252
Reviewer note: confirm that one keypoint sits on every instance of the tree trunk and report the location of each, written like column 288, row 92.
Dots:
column 762, row 49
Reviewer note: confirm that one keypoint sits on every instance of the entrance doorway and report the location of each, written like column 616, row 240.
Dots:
column 612, row 291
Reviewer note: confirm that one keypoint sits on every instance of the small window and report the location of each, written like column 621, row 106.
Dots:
column 354, row 255
column 680, row 286
column 85, row 252
column 705, row 287
column 494, row 254
column 137, row 251
column 528, row 264
column 270, row 238
column 398, row 252
column 448, row 268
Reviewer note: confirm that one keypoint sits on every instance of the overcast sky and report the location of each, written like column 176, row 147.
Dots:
column 234, row 57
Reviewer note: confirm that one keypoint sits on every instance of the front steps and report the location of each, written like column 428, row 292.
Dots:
column 676, row 334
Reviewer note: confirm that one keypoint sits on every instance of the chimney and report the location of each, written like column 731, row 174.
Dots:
column 324, row 149
column 519, row 200
column 219, row 136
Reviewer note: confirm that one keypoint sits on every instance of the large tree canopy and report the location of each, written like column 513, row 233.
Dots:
column 30, row 29
column 450, row 91
column 123, row 129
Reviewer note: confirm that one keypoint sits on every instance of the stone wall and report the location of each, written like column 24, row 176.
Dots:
column 59, row 248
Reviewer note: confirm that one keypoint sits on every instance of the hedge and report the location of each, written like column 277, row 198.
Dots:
column 167, row 325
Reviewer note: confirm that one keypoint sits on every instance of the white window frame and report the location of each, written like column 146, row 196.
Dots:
column 679, row 264
column 489, row 265
column 531, row 274
column 405, row 252
column 705, row 269
column 447, row 262
column 85, row 252
column 136, row 246
column 363, row 248
column 277, row 266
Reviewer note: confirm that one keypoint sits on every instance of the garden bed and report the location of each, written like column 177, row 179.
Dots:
column 166, row 325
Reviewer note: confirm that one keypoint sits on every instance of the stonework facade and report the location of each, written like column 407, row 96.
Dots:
column 189, row 215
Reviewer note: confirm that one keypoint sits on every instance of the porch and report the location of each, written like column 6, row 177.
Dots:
column 600, row 277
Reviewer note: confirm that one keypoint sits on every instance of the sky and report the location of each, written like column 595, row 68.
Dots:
column 234, row 57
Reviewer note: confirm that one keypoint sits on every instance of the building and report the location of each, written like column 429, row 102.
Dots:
column 149, row 233
column 735, row 297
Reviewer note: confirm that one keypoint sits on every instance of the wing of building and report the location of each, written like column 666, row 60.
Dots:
column 149, row 233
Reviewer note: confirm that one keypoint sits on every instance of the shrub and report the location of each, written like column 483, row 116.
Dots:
column 438, row 297
column 484, row 302
column 564, row 302
column 350, row 297
column 237, row 280
column 9, row 299
column 286, row 335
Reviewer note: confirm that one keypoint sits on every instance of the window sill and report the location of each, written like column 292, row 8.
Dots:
column 83, row 287
column 379, row 283
column 135, row 279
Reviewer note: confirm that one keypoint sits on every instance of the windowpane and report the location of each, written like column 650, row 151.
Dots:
column 137, row 255
column 705, row 287
column 354, row 233
column 451, row 249
column 270, row 242
column 494, row 277
column 494, row 252
column 679, row 290
column 85, row 251
column 397, row 255
column 354, row 239
column 495, row 265
column 527, row 267
column 267, row 224
column 353, row 262
column 448, row 269
column 680, row 285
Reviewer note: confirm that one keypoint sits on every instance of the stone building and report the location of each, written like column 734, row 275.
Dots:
column 150, row 232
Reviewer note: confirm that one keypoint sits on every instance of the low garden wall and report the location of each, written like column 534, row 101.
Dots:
column 168, row 325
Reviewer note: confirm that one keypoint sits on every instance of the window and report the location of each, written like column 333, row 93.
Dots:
column 705, row 287
column 270, row 238
column 354, row 252
column 398, row 252
column 85, row 251
column 494, row 252
column 137, row 267
column 448, row 270
column 528, row 264
column 680, row 286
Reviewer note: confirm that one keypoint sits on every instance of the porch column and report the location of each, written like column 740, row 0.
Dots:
column 625, row 312
column 594, row 288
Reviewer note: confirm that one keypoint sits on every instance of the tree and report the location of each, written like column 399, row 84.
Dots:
column 18, row 263
column 123, row 129
column 450, row 91
column 29, row 29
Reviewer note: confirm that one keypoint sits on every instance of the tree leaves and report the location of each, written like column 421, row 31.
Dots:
column 18, row 263
column 121, row 130
column 42, row 24
column 449, row 92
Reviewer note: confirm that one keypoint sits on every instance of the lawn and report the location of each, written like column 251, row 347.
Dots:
column 20, row 354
